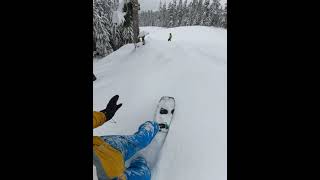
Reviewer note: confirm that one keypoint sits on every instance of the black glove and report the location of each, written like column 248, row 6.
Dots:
column 112, row 107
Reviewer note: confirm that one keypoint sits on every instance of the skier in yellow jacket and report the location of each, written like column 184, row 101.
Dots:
column 111, row 152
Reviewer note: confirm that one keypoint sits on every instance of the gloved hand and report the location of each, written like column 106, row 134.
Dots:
column 112, row 107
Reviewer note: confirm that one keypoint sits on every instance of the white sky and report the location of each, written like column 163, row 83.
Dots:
column 154, row 4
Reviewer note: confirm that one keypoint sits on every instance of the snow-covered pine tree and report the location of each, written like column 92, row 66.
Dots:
column 127, row 26
column 144, row 18
column 150, row 14
column 206, row 13
column 116, row 39
column 142, row 21
column 184, row 13
column 164, row 15
column 223, row 16
column 170, row 15
column 158, row 21
column 179, row 14
column 225, row 12
column 148, row 18
column 102, row 24
column 189, row 14
column 107, row 35
column 220, row 14
column 174, row 7
column 193, row 12
column 199, row 13
column 155, row 18
column 127, row 34
column 145, row 13
column 151, row 19
column 215, row 13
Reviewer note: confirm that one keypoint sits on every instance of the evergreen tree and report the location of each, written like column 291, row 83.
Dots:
column 193, row 12
column 179, row 14
column 174, row 12
column 108, row 36
column 127, row 35
column 102, row 23
column 215, row 13
column 164, row 15
column 159, row 15
column 206, row 18
column 224, row 21
column 170, row 15
column 185, row 14
column 220, row 14
column 199, row 13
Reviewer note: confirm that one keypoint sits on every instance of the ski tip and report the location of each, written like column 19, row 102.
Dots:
column 167, row 97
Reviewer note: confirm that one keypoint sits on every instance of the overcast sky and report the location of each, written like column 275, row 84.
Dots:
column 154, row 4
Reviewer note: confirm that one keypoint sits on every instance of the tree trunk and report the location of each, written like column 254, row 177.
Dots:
column 135, row 19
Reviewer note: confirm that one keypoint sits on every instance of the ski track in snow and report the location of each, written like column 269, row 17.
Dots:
column 193, row 69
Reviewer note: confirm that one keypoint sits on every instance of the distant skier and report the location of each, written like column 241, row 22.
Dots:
column 142, row 35
column 111, row 152
column 170, row 36
column 94, row 77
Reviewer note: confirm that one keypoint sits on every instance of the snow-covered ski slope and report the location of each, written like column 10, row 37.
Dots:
column 193, row 69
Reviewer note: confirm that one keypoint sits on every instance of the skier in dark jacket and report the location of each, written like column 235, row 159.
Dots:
column 170, row 36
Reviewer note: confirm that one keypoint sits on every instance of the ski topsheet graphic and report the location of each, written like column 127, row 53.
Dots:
column 163, row 115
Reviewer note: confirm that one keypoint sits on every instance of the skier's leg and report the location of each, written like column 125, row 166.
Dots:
column 138, row 170
column 129, row 145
